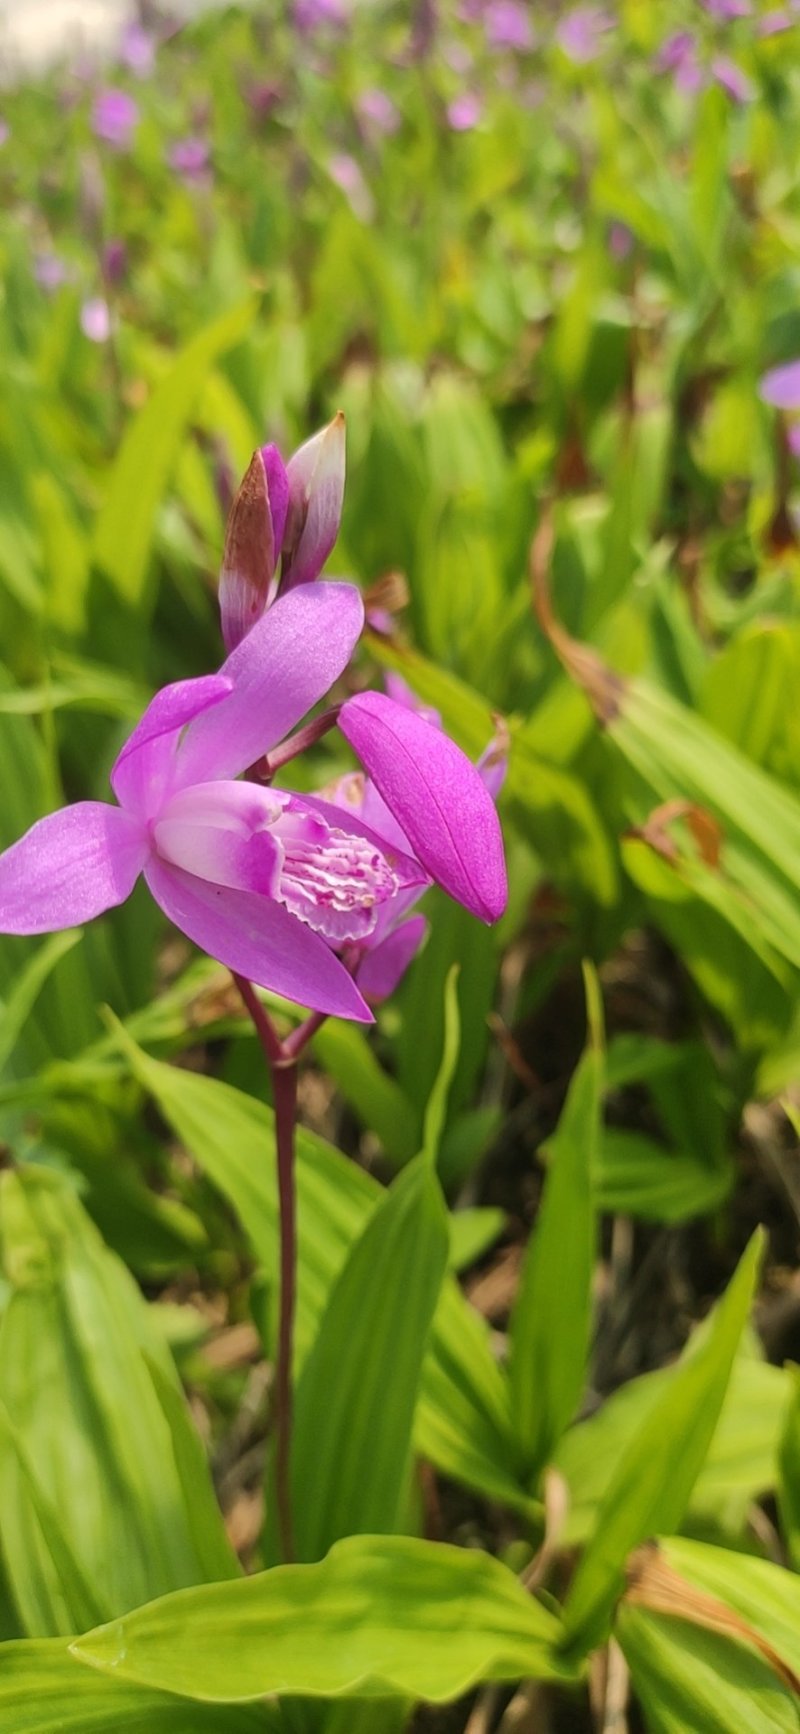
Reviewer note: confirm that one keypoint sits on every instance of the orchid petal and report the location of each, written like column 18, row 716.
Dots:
column 217, row 831
column 437, row 797
column 252, row 544
column 382, row 968
column 259, row 939
column 316, row 493
column 292, row 656
column 139, row 777
column 781, row 386
column 70, row 867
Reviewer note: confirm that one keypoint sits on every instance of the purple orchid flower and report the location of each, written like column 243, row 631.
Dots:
column 464, row 112
column 95, row 319
column 189, row 158
column 780, row 386
column 382, row 958
column 263, row 880
column 507, row 25
column 137, row 50
column 581, row 31
column 377, row 111
column 115, row 115
column 283, row 513
column 732, row 79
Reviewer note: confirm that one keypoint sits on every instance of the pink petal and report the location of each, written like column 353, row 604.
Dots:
column 286, row 663
column 258, row 939
column 216, row 831
column 781, row 386
column 316, row 493
column 70, row 867
column 437, row 797
column 139, row 778
column 380, row 971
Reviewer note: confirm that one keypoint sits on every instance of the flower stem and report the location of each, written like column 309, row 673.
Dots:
column 284, row 1082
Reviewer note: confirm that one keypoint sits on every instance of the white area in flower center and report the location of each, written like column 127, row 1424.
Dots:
column 266, row 841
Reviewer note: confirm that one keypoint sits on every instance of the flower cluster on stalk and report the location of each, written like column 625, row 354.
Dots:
column 307, row 895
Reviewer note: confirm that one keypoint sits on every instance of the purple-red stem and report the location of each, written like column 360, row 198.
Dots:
column 282, row 1058
column 284, row 1084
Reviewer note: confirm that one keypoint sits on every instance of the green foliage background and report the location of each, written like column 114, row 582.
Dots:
column 547, row 328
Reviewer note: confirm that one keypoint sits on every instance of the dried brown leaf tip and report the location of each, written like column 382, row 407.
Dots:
column 654, row 1585
column 704, row 828
column 604, row 689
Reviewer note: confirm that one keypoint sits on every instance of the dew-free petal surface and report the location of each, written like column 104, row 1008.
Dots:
column 286, row 663
column 139, row 776
column 381, row 970
column 70, row 867
column 437, row 797
column 259, row 939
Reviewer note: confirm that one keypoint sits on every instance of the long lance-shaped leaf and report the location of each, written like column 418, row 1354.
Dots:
column 379, row 1615
column 357, row 1394
column 463, row 1422
column 751, row 875
column 654, row 1478
column 113, row 1503
column 124, row 530
column 45, row 1690
column 712, row 1636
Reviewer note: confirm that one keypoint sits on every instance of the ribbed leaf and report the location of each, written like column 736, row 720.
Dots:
column 654, row 1476
column 93, row 1506
column 357, row 1394
column 378, row 1615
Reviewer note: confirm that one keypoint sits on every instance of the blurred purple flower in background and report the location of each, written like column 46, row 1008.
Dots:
column 465, row 111
column 774, row 23
column 727, row 10
column 114, row 260
column 678, row 54
column 345, row 171
column 137, row 50
column 95, row 319
column 793, row 438
column 780, row 386
column 580, row 32
column 50, row 271
column 732, row 79
column 115, row 115
column 507, row 25
column 377, row 110
column 311, row 15
column 620, row 240
column 189, row 158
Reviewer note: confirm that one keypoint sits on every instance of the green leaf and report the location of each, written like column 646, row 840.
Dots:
column 355, row 1401
column 45, row 1690
column 17, row 1008
column 551, row 1321
column 638, row 1177
column 689, row 1678
column 765, row 1596
column 101, row 1488
column 378, row 1615
column 742, row 1461
column 436, row 1111
column 789, row 1480
column 463, row 1421
column 654, row 1476
column 125, row 527
column 376, row 1097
